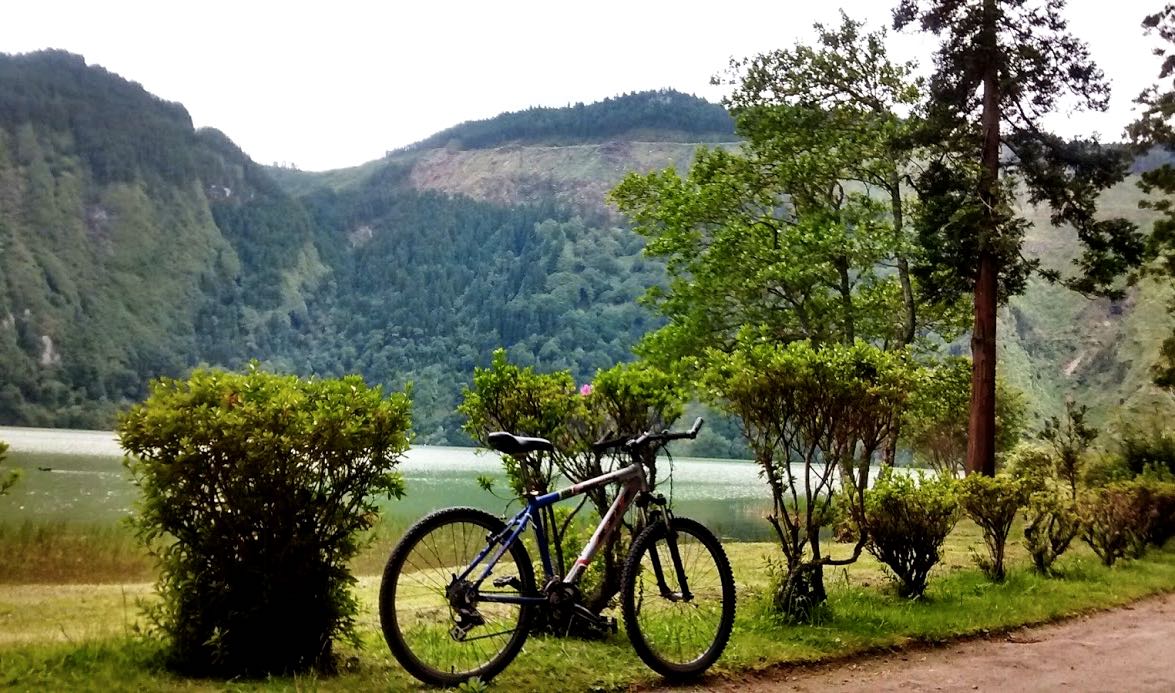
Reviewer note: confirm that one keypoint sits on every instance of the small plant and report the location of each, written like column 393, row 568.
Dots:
column 908, row 519
column 1051, row 524
column 256, row 490
column 7, row 479
column 992, row 502
column 1050, row 515
column 1070, row 441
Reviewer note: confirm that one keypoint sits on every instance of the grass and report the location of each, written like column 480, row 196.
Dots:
column 87, row 637
column 70, row 553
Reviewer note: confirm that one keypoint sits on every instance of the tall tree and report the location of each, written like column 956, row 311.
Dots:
column 800, row 233
column 1001, row 67
column 1152, row 130
column 848, row 71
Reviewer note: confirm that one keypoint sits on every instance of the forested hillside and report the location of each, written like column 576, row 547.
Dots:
column 132, row 245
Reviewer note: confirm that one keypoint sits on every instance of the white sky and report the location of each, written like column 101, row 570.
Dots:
column 326, row 85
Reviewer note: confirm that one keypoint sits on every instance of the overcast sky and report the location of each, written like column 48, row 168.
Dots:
column 326, row 85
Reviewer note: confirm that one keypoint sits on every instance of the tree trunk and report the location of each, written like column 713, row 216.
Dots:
column 981, row 429
column 846, row 299
column 909, row 327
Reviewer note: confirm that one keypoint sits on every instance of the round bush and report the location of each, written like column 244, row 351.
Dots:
column 255, row 491
column 908, row 520
column 992, row 502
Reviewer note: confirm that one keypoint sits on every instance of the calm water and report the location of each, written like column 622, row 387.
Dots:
column 77, row 476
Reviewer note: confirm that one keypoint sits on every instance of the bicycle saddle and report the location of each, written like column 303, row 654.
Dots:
column 515, row 445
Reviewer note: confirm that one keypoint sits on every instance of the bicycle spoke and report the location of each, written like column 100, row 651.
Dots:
column 427, row 623
column 675, row 630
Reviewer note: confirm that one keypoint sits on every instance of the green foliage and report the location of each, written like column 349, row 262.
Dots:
column 1112, row 520
column 935, row 424
column 1070, row 442
column 846, row 87
column 908, row 520
column 1051, row 523
column 1000, row 68
column 637, row 397
column 1152, row 449
column 992, row 502
column 1028, row 49
column 7, row 479
column 508, row 397
column 783, row 235
column 256, row 490
column 814, row 418
column 664, row 113
column 1105, row 469
column 1050, row 515
column 1156, row 493
column 1153, row 131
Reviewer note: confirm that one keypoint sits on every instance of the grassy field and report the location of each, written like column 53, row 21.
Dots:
column 87, row 637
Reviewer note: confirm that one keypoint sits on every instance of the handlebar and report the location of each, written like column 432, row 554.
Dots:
column 630, row 443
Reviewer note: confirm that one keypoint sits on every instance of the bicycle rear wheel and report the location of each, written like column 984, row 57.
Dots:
column 677, row 635
column 433, row 640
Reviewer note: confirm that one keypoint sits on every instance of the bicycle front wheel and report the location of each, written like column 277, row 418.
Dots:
column 677, row 632
column 438, row 627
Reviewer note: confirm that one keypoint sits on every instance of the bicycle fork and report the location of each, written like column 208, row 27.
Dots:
column 674, row 555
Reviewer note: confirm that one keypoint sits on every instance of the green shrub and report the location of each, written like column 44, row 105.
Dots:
column 816, row 417
column 1111, row 520
column 1050, row 525
column 908, row 519
column 992, row 502
column 1105, row 469
column 1148, row 449
column 1050, row 515
column 1156, row 501
column 7, row 479
column 255, row 491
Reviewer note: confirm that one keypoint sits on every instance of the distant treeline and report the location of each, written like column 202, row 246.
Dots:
column 662, row 115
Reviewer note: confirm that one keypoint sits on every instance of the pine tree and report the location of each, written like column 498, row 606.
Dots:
column 1001, row 67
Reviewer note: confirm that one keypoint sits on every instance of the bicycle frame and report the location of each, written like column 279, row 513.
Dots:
column 634, row 482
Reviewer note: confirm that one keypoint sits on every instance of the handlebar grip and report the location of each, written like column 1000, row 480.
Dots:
column 693, row 432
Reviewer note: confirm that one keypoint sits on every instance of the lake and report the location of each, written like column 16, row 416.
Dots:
column 78, row 477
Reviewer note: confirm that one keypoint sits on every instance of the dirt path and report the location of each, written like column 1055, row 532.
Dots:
column 1130, row 648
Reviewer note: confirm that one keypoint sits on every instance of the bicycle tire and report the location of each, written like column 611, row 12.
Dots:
column 652, row 638
column 397, row 622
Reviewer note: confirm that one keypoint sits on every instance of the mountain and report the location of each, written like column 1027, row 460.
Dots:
column 130, row 243
column 133, row 245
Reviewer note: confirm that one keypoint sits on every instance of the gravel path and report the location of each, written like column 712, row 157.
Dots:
column 1131, row 648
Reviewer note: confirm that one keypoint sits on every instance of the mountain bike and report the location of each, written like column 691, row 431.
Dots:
column 459, row 597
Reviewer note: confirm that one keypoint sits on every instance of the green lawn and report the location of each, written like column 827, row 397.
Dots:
column 86, row 637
